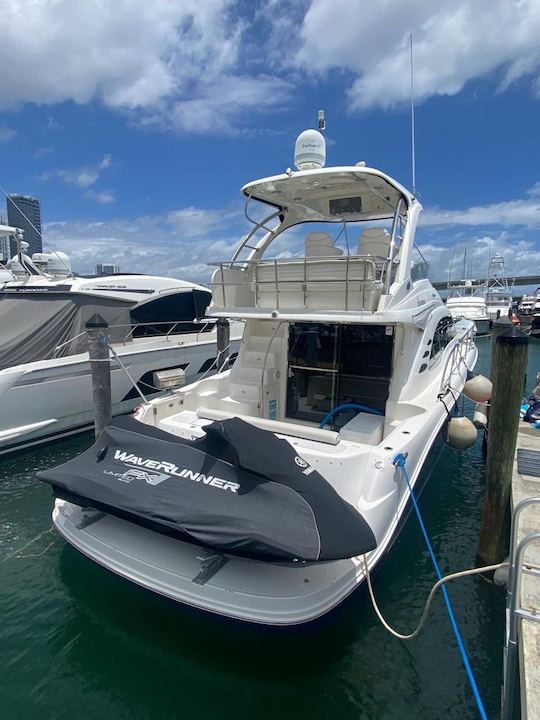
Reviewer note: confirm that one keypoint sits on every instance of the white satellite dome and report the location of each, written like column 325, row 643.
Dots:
column 310, row 150
column 59, row 263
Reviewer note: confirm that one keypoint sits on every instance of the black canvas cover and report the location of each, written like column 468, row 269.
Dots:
column 239, row 489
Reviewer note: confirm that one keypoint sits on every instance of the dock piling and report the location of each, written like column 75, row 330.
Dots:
column 508, row 368
column 223, row 332
column 100, row 367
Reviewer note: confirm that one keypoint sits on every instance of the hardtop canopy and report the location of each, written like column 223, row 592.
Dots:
column 334, row 194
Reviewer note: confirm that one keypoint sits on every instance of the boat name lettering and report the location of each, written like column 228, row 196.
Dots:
column 172, row 469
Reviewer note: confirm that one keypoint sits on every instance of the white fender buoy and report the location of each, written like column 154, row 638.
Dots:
column 461, row 433
column 478, row 389
column 480, row 415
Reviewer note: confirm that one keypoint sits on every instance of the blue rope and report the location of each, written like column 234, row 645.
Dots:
column 349, row 406
column 399, row 461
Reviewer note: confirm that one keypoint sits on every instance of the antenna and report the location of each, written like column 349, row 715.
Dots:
column 321, row 120
column 413, row 148
column 450, row 268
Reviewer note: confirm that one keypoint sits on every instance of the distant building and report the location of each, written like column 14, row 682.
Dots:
column 24, row 212
column 107, row 269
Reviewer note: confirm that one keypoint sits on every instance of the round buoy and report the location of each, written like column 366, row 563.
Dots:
column 478, row 389
column 480, row 415
column 461, row 433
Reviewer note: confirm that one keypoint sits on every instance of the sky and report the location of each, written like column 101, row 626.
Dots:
column 136, row 123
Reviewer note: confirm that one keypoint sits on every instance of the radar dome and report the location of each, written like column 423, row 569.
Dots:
column 310, row 150
column 59, row 263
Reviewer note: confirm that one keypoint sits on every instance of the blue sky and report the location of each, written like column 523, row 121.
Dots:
column 136, row 123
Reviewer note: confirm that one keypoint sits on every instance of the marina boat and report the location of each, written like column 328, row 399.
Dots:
column 468, row 300
column 45, row 381
column 257, row 493
column 526, row 308
column 535, row 317
column 498, row 294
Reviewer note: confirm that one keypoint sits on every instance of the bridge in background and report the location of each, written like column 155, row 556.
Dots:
column 523, row 280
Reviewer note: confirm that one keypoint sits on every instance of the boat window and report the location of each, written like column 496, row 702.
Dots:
column 443, row 335
column 331, row 364
column 164, row 315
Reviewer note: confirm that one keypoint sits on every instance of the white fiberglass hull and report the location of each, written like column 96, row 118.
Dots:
column 272, row 593
column 49, row 399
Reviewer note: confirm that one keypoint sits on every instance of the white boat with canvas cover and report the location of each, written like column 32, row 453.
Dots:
column 349, row 358
column 45, row 381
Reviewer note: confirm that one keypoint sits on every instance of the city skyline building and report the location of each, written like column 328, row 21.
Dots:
column 24, row 212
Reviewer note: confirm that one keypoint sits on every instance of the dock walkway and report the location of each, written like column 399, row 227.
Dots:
column 524, row 486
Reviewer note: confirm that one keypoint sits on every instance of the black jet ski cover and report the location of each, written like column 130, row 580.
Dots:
column 239, row 489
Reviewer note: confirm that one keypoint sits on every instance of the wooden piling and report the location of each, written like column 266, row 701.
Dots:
column 509, row 364
column 100, row 367
column 499, row 325
column 223, row 333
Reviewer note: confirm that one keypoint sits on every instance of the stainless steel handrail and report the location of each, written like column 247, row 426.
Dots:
column 371, row 259
column 373, row 271
column 390, row 258
column 457, row 358
column 206, row 322
column 516, row 612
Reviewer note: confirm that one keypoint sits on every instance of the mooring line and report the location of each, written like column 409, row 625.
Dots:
column 41, row 534
column 400, row 461
column 431, row 596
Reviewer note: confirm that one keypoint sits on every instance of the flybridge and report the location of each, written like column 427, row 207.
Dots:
column 172, row 469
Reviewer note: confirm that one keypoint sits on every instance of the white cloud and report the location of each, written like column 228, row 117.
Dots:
column 179, row 243
column 82, row 177
column 43, row 152
column 171, row 63
column 193, row 222
column 521, row 256
column 523, row 211
column 454, row 41
column 6, row 133
column 103, row 197
column 219, row 103
column 205, row 67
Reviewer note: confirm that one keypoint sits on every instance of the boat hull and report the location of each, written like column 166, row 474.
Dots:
column 46, row 400
column 254, row 591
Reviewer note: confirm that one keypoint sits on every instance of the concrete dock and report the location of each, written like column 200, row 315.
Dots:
column 525, row 486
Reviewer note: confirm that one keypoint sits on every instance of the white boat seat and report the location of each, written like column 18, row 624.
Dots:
column 374, row 241
column 319, row 244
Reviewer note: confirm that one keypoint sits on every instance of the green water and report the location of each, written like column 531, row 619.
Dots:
column 77, row 642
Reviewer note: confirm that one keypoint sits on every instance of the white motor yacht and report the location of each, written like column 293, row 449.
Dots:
column 257, row 493
column 498, row 294
column 534, row 318
column 45, row 380
column 468, row 300
column 526, row 308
